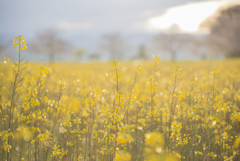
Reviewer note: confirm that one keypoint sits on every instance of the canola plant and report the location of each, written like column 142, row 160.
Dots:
column 139, row 111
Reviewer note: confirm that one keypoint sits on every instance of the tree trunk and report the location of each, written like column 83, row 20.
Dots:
column 203, row 56
column 51, row 57
column 173, row 56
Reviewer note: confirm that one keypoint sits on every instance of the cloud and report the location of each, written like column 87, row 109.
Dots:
column 187, row 17
column 74, row 25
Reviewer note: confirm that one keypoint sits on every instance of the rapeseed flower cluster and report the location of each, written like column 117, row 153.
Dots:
column 123, row 111
column 19, row 43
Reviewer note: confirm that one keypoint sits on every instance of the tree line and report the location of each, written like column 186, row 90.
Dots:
column 223, row 38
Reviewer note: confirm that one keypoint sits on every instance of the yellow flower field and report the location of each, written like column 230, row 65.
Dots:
column 135, row 110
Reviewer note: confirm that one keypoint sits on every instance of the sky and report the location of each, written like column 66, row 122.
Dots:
column 187, row 18
column 83, row 22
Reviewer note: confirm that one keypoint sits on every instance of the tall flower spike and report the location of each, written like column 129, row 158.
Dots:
column 20, row 43
column 156, row 58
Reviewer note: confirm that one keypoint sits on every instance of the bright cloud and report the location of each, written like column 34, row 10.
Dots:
column 74, row 26
column 185, row 18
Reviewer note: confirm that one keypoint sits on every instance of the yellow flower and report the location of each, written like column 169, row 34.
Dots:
column 122, row 156
column 154, row 139
column 225, row 135
column 24, row 47
column 21, row 44
column 237, row 143
column 39, row 117
column 122, row 138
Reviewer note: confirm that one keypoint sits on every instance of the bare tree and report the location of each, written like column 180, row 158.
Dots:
column 4, row 45
column 2, row 49
column 114, row 45
column 79, row 53
column 48, row 42
column 224, row 28
column 142, row 52
column 94, row 56
column 171, row 43
column 199, row 46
